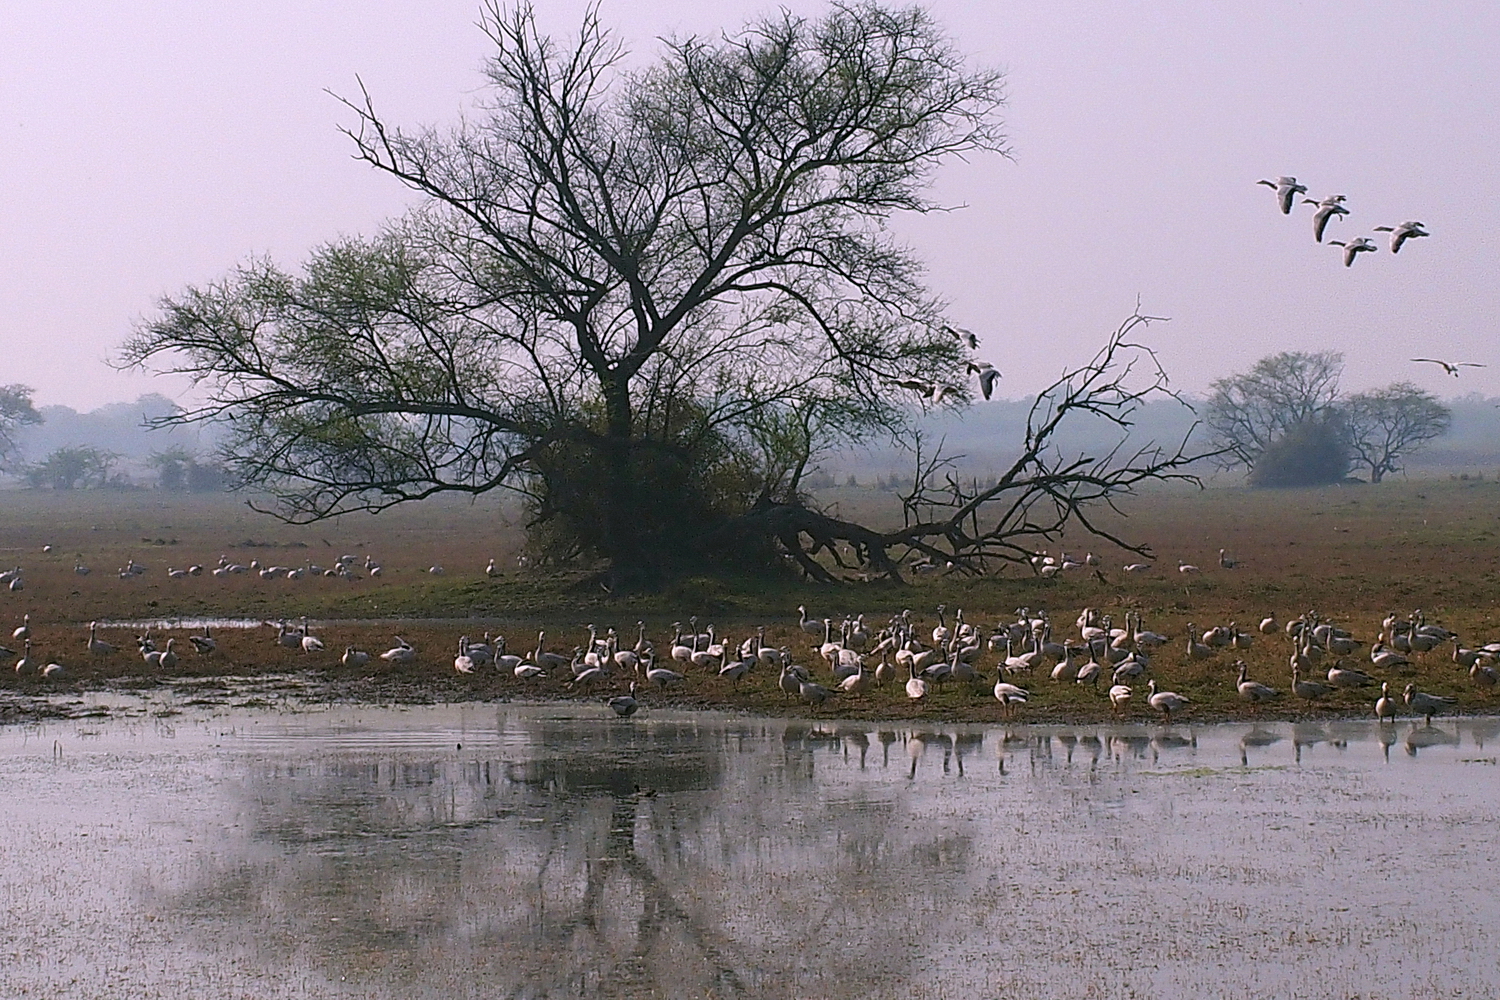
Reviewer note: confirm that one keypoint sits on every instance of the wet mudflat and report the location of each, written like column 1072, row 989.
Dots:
column 545, row 850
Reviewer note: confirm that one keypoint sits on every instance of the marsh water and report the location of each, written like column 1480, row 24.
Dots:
column 555, row 851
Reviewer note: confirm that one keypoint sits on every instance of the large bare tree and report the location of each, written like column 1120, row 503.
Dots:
column 644, row 299
column 1249, row 411
column 1384, row 425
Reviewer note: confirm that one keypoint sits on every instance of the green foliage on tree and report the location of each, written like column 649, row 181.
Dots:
column 1314, row 452
column 78, row 467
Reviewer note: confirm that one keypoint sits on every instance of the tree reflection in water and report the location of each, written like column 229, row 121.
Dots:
column 585, row 858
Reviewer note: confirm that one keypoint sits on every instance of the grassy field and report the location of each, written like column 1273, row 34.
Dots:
column 1353, row 553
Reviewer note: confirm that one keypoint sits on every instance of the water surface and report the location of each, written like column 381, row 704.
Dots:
column 541, row 851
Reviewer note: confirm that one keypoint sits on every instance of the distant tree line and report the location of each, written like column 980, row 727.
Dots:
column 1286, row 421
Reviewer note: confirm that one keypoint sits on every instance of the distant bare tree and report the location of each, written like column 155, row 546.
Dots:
column 1384, row 425
column 1248, row 412
column 16, row 412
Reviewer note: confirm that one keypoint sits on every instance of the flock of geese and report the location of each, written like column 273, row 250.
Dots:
column 1332, row 207
column 851, row 658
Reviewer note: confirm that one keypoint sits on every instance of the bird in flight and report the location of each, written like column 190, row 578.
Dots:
column 987, row 374
column 1354, row 248
column 965, row 337
column 1400, row 234
column 1329, row 208
column 934, row 391
column 1452, row 369
column 1287, row 189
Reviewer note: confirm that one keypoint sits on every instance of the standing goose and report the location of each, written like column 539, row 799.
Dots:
column 1253, row 691
column 95, row 645
column 806, row 624
column 1009, row 696
column 23, row 631
column 916, row 687
column 546, row 660
column 1426, row 705
column 1385, row 705
column 204, row 643
column 463, row 662
column 1308, row 690
column 1119, row 697
column 24, row 663
column 1166, row 702
column 1195, row 649
column 625, row 705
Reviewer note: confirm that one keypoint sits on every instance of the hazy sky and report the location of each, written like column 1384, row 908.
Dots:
column 148, row 145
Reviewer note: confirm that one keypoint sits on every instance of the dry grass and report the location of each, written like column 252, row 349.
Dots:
column 1352, row 553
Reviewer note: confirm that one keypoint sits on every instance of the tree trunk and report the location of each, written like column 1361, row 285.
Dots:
column 630, row 567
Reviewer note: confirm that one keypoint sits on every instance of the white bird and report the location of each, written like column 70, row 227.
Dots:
column 625, row 705
column 987, row 373
column 1186, row 568
column 404, row 652
column 24, row 663
column 963, row 337
column 1226, row 562
column 95, row 645
column 809, row 625
column 916, row 687
column 1354, row 248
column 23, row 631
column 1009, row 695
column 1287, row 189
column 1136, row 567
column 1166, row 702
column 1385, row 705
column 528, row 671
column 1400, row 234
column 1426, row 705
column 52, row 670
column 1119, row 697
column 311, row 644
column 491, row 569
column 435, row 570
column 1309, row 690
column 1452, row 368
column 354, row 657
column 1329, row 208
column 463, row 662
column 546, row 660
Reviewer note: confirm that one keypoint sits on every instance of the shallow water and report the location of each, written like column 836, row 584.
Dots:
column 505, row 851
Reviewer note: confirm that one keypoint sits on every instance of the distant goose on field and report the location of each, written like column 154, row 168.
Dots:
column 1186, row 568
column 1400, row 234
column 1353, row 248
column 1136, row 567
column 1226, row 562
column 354, row 657
column 403, row 652
column 1287, row 189
column 204, row 643
column 23, row 631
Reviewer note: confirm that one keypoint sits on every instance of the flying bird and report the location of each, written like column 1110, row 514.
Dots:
column 1287, row 189
column 1452, row 368
column 987, row 374
column 1400, row 234
column 1329, row 208
column 1353, row 248
column 964, row 337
